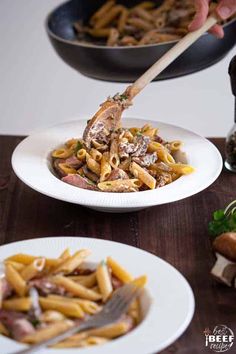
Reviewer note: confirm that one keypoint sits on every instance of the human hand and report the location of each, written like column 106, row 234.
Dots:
column 224, row 10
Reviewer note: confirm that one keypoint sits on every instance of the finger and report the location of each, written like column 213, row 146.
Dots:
column 202, row 9
column 226, row 8
column 217, row 30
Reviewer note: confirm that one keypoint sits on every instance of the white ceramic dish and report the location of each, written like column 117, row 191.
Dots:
column 171, row 301
column 31, row 164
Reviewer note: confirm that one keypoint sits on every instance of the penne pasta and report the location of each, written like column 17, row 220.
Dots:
column 86, row 280
column 71, row 143
column 67, row 169
column 108, row 17
column 15, row 280
column 102, row 10
column 112, row 331
column 17, row 304
column 105, row 169
column 81, row 154
column 48, row 332
column 93, row 165
column 71, row 263
column 175, row 145
column 18, row 266
column 75, row 288
column 27, row 259
column 81, row 343
column 33, row 269
column 65, row 254
column 134, row 311
column 96, row 155
column 120, row 185
column 50, row 316
column 104, row 281
column 88, row 306
column 120, row 272
column 62, row 153
column 142, row 175
column 69, row 309
column 181, row 169
column 114, row 156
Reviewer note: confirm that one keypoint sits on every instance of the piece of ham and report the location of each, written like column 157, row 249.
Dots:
column 5, row 289
column 125, row 149
column 147, row 160
column 57, row 169
column 158, row 139
column 141, row 143
column 73, row 162
column 89, row 174
column 79, row 181
column 117, row 173
column 46, row 287
column 16, row 323
column 129, row 321
column 116, row 283
column 136, row 149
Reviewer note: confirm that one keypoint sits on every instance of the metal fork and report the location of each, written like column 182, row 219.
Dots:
column 111, row 312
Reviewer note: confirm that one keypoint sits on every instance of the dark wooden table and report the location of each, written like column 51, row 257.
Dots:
column 175, row 232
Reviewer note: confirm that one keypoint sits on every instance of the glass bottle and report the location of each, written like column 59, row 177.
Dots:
column 230, row 148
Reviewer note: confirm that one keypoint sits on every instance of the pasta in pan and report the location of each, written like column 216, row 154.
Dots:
column 44, row 297
column 127, row 160
column 148, row 22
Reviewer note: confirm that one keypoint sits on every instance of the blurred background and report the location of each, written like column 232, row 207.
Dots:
column 38, row 89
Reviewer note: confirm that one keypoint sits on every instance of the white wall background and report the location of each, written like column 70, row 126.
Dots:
column 38, row 90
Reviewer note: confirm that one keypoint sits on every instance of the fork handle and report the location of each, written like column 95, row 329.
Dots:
column 169, row 57
column 73, row 330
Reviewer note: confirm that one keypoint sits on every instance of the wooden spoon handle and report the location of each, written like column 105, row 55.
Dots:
column 169, row 57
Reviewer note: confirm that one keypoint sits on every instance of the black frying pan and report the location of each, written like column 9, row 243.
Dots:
column 126, row 64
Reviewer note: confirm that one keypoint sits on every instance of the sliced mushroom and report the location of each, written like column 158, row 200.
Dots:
column 225, row 267
column 103, row 122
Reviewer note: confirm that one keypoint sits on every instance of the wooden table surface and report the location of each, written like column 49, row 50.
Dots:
column 176, row 232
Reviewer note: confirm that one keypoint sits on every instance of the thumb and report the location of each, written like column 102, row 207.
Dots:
column 226, row 8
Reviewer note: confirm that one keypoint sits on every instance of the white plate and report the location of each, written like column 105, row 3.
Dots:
column 31, row 164
column 171, row 298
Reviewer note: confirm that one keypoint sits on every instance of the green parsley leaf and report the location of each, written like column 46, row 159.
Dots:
column 78, row 146
column 123, row 97
column 223, row 220
column 35, row 322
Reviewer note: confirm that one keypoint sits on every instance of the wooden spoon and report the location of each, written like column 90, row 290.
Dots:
column 109, row 115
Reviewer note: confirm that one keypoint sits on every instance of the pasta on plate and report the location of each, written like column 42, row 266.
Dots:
column 42, row 297
column 124, row 160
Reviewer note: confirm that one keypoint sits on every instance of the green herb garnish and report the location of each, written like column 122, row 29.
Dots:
column 78, row 146
column 90, row 182
column 223, row 220
column 35, row 322
column 123, row 97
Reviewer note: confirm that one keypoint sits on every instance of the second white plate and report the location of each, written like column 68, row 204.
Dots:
column 171, row 298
